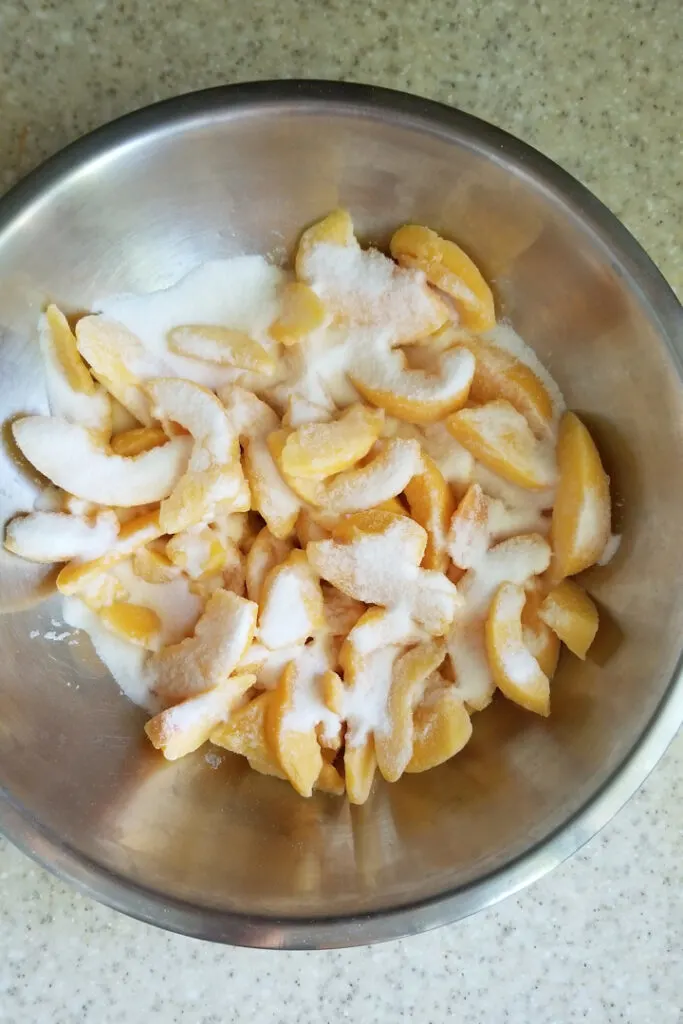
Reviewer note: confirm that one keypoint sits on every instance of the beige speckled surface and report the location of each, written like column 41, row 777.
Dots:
column 598, row 88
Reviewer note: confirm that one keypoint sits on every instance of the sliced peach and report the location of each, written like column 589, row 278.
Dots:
column 179, row 730
column 360, row 765
column 60, row 537
column 415, row 396
column 291, row 603
column 501, row 438
column 198, row 551
column 441, row 728
column 139, row 439
column 515, row 670
column 500, row 375
column 75, row 577
column 468, row 534
column 118, row 360
column 394, row 741
column 446, row 266
column 271, row 495
column 133, row 622
column 66, row 351
column 309, row 528
column 334, row 229
column 318, row 450
column 539, row 639
column 580, row 526
column 301, row 313
column 404, row 531
column 431, row 504
column 245, row 733
column 265, row 553
column 330, row 781
column 298, row 751
column 221, row 637
column 223, row 345
column 474, row 682
column 571, row 614
column 154, row 566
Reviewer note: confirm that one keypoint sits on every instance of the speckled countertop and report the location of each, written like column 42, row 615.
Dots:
column 598, row 88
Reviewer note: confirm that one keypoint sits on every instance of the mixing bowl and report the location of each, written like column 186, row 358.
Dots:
column 205, row 846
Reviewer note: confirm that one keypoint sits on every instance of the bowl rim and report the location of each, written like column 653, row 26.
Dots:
column 237, row 928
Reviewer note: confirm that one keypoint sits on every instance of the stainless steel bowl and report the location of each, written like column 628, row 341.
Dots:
column 222, row 853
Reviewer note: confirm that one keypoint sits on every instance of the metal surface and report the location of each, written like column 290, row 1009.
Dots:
column 225, row 854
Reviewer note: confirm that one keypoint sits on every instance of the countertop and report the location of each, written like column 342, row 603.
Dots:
column 598, row 88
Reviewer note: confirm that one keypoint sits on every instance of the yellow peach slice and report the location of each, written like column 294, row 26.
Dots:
column 133, row 622
column 70, row 457
column 118, row 360
column 245, row 733
column 360, row 765
column 221, row 637
column 341, row 612
column 538, row 638
column 515, row 670
column 77, row 576
column 198, row 551
column 446, row 266
column 179, row 730
column 468, row 533
column 291, row 603
column 222, row 345
column 501, row 438
column 265, row 553
column 415, row 395
column 138, row 440
column 334, row 229
column 214, row 474
column 572, row 616
column 500, row 375
column 298, row 751
column 441, row 728
column 580, row 525
column 394, row 741
column 309, row 528
column 431, row 505
column 60, row 537
column 154, row 566
column 319, row 450
column 71, row 391
column 330, row 781
column 301, row 313
column 412, row 536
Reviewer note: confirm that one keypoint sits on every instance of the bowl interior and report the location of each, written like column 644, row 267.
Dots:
column 136, row 210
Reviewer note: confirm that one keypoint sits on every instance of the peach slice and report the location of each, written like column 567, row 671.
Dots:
column 580, row 526
column 539, row 639
column 222, row 345
column 404, row 531
column 334, row 229
column 154, row 566
column 291, row 603
column 214, row 474
column 197, row 551
column 468, row 533
column 59, row 537
column 133, row 622
column 572, row 616
column 265, row 554
column 76, row 577
column 69, row 456
column 360, row 765
column 441, row 728
column 501, row 438
column 394, row 740
column 318, row 450
column 71, row 390
column 515, row 670
column 500, row 375
column 245, row 733
column 415, row 396
column 297, row 750
column 432, row 504
column 179, row 730
column 138, row 440
column 301, row 313
column 446, row 266
column 198, row 663
column 119, row 361
column 385, row 476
